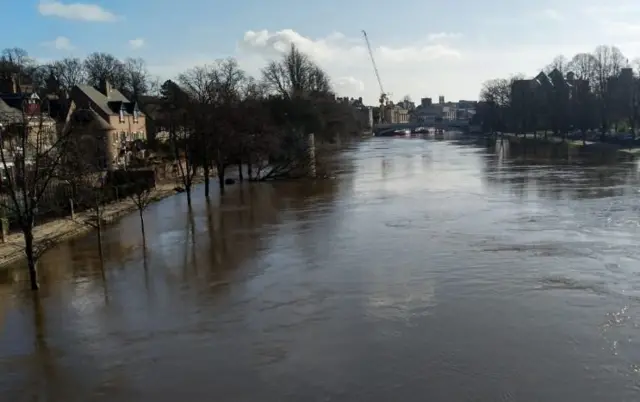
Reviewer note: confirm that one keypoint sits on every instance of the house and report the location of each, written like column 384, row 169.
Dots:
column 18, row 124
column 21, row 114
column 15, row 83
column 115, row 123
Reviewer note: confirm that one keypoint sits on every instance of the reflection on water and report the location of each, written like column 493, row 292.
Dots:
column 428, row 270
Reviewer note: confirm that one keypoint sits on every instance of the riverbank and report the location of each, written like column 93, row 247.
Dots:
column 63, row 229
column 556, row 147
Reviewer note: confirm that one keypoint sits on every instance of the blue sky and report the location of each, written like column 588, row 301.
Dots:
column 423, row 48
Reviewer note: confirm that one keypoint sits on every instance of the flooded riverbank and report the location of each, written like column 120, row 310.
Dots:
column 427, row 270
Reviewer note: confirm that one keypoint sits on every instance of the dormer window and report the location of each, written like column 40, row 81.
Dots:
column 122, row 113
column 136, row 114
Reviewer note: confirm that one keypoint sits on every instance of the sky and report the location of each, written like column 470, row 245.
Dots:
column 423, row 48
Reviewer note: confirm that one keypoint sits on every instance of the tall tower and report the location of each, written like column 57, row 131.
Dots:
column 441, row 99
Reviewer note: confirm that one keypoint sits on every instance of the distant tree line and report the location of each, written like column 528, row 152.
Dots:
column 598, row 91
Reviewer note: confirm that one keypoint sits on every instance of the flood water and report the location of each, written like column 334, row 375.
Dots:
column 426, row 271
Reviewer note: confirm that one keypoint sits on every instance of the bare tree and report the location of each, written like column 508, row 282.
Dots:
column 559, row 63
column 609, row 60
column 226, row 147
column 295, row 75
column 104, row 66
column 633, row 101
column 584, row 66
column 496, row 97
column 136, row 78
column 154, row 86
column 175, row 107
column 69, row 72
column 198, row 84
column 141, row 193
column 15, row 60
column 83, row 170
column 215, row 95
column 30, row 153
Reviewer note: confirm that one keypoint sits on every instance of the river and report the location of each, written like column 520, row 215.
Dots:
column 425, row 271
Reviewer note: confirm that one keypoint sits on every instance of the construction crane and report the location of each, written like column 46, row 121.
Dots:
column 384, row 97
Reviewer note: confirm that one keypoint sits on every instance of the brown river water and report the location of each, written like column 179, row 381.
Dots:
column 425, row 271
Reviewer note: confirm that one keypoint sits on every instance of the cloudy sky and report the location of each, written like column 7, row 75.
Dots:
column 423, row 48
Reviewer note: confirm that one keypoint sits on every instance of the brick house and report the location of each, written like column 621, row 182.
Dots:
column 110, row 119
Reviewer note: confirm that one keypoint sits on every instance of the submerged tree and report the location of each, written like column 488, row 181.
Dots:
column 84, row 170
column 175, row 108
column 141, row 193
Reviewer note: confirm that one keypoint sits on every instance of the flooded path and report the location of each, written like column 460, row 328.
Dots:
column 428, row 270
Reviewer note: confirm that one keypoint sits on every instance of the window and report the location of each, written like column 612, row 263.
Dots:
column 136, row 113
column 122, row 113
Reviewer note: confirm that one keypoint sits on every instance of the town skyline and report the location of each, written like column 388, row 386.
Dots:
column 451, row 55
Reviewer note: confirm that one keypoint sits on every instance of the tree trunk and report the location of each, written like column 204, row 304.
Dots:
column 240, row 175
column 99, row 227
column 144, row 236
column 187, row 189
column 249, row 172
column 221, row 178
column 31, row 257
column 207, row 187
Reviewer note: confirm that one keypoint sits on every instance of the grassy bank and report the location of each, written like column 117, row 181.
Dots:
column 63, row 229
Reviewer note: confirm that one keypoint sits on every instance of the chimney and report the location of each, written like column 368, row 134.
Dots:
column 105, row 87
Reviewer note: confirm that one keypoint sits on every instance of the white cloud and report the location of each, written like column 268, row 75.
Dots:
column 75, row 11
column 136, row 43
column 348, row 85
column 620, row 9
column 439, row 36
column 621, row 29
column 553, row 14
column 347, row 58
column 60, row 43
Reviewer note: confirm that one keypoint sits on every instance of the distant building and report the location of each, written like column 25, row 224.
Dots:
column 441, row 100
column 395, row 114
column 15, row 83
column 450, row 112
column 428, row 113
column 364, row 114
column 547, row 100
column 19, row 104
column 407, row 104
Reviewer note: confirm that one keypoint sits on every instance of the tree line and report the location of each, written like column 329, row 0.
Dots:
column 597, row 91
column 213, row 116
